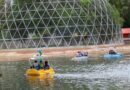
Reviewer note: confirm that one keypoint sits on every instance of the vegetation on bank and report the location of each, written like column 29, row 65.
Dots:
column 122, row 11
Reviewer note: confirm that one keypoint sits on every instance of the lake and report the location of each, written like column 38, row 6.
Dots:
column 90, row 74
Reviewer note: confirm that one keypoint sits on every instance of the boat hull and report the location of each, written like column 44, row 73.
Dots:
column 33, row 72
column 80, row 58
column 118, row 55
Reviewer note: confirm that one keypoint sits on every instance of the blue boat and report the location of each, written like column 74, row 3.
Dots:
column 117, row 55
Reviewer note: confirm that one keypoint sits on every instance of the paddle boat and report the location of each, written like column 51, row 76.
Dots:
column 117, row 55
column 80, row 58
column 32, row 72
column 37, row 70
column 41, row 72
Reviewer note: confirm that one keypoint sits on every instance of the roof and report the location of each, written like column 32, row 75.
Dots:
column 126, row 30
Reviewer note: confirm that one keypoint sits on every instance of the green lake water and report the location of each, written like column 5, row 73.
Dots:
column 91, row 74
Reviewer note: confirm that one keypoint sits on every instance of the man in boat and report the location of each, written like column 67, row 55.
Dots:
column 112, row 52
column 46, row 65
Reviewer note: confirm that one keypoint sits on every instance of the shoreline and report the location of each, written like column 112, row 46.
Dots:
column 25, row 54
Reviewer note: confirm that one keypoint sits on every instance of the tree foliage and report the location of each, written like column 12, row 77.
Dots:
column 21, row 2
column 85, row 2
column 116, row 15
column 121, row 8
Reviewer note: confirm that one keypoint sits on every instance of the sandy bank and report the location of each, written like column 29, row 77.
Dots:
column 24, row 54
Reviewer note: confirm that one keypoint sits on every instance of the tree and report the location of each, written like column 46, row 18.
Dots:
column 123, row 9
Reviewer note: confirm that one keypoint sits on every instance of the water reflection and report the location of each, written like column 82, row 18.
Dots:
column 37, row 82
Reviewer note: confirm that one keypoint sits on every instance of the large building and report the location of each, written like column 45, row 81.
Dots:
column 57, row 23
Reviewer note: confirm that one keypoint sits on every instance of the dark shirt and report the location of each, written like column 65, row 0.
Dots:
column 112, row 52
column 46, row 67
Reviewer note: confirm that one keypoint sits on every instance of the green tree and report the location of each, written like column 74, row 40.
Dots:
column 21, row 2
column 122, row 8
column 85, row 2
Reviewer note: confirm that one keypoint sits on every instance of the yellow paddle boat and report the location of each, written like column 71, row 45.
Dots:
column 32, row 72
column 46, row 73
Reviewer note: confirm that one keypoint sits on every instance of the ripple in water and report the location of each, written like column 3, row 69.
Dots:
column 101, row 72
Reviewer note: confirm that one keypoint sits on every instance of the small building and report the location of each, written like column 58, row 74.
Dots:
column 126, row 35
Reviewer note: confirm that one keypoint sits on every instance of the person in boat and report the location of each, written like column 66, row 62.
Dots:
column 41, row 64
column 36, row 65
column 31, row 67
column 80, row 54
column 112, row 52
column 46, row 65
column 85, row 54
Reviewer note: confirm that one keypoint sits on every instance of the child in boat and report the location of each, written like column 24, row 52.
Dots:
column 46, row 65
column 36, row 65
column 41, row 64
column 112, row 52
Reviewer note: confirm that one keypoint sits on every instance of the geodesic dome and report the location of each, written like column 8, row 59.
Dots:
column 58, row 23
